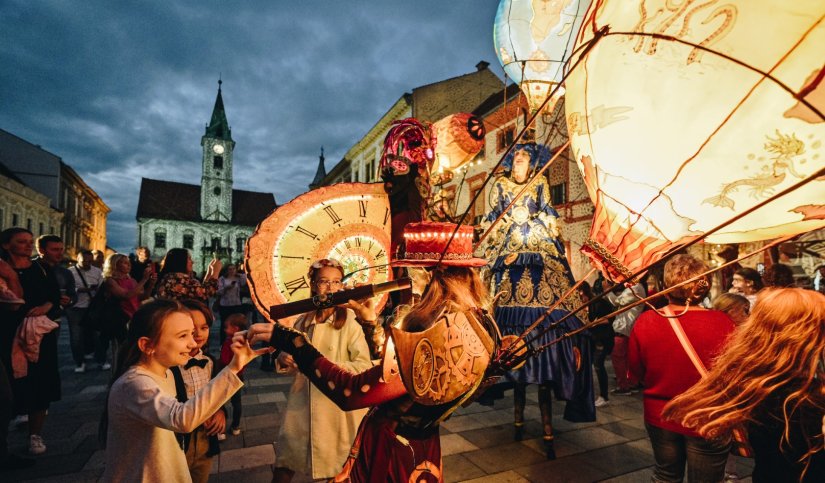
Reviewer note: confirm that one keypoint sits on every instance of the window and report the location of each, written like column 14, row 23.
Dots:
column 41, row 228
column 29, row 224
column 505, row 138
column 216, row 244
column 558, row 194
column 189, row 241
column 2, row 219
column 160, row 239
column 217, row 190
column 239, row 245
column 217, row 162
column 15, row 219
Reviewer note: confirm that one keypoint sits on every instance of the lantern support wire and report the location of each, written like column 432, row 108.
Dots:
column 511, row 349
column 596, row 37
column 511, row 359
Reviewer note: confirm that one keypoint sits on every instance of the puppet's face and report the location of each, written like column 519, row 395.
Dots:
column 521, row 164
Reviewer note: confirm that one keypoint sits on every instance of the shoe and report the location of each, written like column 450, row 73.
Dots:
column 518, row 432
column 13, row 462
column 622, row 392
column 731, row 477
column 105, row 367
column 222, row 437
column 600, row 402
column 236, row 431
column 36, row 444
column 81, row 368
column 89, row 357
column 549, row 450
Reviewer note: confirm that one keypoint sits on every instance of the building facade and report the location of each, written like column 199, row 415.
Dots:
column 211, row 219
column 427, row 103
column 22, row 206
column 82, row 214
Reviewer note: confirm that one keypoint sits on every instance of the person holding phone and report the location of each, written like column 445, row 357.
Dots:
column 229, row 294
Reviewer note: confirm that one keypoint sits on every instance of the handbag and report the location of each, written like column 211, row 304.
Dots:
column 739, row 435
column 106, row 316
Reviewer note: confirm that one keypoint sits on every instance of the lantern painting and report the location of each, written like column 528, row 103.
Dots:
column 719, row 108
column 460, row 137
column 533, row 39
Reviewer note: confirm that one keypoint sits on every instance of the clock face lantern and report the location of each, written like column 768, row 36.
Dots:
column 348, row 222
column 217, row 149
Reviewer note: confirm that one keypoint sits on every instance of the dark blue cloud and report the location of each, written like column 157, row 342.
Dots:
column 122, row 90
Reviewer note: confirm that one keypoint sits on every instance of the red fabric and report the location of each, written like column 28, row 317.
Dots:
column 624, row 378
column 131, row 304
column 382, row 456
column 227, row 355
column 658, row 360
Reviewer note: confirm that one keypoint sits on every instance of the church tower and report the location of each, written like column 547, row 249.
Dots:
column 216, row 177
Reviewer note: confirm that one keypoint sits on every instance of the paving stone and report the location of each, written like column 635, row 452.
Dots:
column 504, row 457
column 560, row 470
column 642, row 445
column 619, row 459
column 644, row 474
column 255, row 456
column 262, row 421
column 457, row 424
column 563, row 448
column 496, row 435
column 592, row 438
column 260, row 474
column 624, row 411
column 97, row 461
column 622, row 429
column 503, row 477
column 272, row 397
column 454, row 443
column 258, row 437
column 458, row 468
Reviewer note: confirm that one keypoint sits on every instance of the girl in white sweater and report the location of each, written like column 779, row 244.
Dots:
column 142, row 413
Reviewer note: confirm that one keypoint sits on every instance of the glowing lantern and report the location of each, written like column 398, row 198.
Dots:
column 460, row 137
column 678, row 131
column 533, row 39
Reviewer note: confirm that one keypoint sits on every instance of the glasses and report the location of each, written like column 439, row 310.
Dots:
column 329, row 283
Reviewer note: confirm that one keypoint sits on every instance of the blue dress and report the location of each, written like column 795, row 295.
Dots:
column 530, row 270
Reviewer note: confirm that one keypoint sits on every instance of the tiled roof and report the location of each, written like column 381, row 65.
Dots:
column 170, row 200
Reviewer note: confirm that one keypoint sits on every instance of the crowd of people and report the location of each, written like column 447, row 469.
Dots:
column 749, row 361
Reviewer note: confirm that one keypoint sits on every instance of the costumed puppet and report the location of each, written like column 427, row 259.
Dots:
column 434, row 360
column 530, row 273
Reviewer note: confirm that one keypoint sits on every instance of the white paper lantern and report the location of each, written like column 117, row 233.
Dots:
column 533, row 39
column 674, row 140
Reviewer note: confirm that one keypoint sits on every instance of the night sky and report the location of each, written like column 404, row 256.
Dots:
column 122, row 90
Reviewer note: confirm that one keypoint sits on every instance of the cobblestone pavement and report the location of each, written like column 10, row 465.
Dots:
column 477, row 442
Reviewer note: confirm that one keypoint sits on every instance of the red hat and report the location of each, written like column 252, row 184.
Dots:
column 425, row 242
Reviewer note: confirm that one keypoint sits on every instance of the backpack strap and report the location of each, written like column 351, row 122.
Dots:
column 180, row 395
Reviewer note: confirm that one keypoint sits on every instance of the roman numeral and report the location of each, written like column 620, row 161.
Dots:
column 338, row 251
column 287, row 256
column 295, row 285
column 386, row 216
column 380, row 254
column 346, row 244
column 332, row 214
column 362, row 208
column 358, row 241
column 306, row 232
column 381, row 269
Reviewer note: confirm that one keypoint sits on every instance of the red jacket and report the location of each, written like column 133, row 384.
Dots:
column 657, row 358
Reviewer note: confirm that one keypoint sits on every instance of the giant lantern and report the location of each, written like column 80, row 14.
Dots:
column 533, row 39
column 684, row 114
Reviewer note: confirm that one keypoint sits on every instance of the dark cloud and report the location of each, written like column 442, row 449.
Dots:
column 122, row 90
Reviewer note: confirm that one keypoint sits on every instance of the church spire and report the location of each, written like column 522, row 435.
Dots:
column 219, row 126
column 320, row 174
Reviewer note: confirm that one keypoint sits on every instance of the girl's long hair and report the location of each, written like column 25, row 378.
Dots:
column 778, row 350
column 174, row 262
column 110, row 265
column 147, row 322
column 455, row 289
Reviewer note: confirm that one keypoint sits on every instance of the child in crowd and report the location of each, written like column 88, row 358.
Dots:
column 141, row 411
column 202, row 444
column 234, row 323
